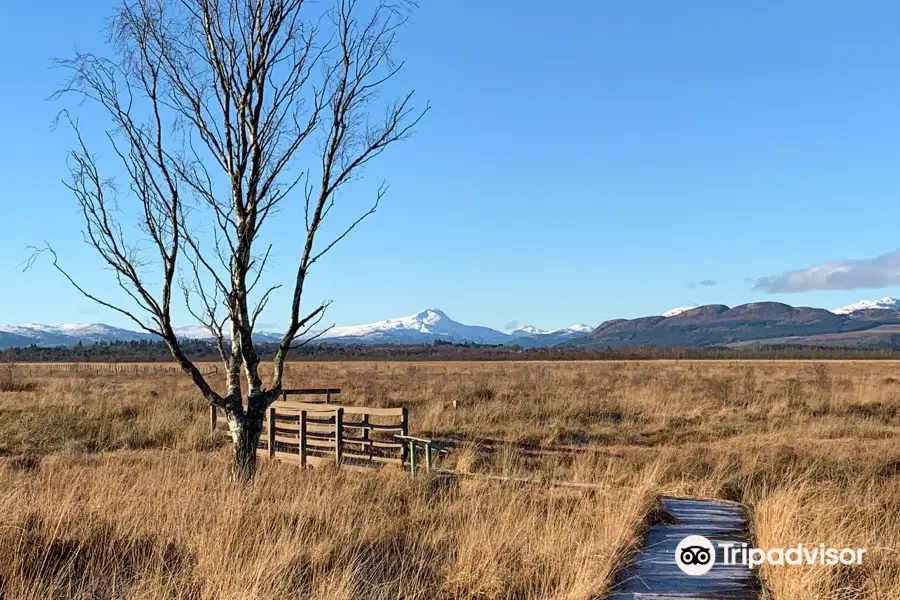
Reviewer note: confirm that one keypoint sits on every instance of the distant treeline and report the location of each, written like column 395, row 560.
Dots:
column 149, row 351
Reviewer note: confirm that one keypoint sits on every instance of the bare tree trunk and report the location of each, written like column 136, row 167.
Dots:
column 245, row 433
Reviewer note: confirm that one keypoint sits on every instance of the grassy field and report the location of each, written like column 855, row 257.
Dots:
column 111, row 486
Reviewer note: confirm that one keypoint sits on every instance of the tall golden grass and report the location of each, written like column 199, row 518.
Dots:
column 111, row 487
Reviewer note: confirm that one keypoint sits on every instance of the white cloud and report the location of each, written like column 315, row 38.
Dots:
column 881, row 271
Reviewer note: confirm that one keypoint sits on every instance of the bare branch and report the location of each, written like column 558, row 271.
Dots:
column 309, row 340
column 381, row 192
column 261, row 305
column 36, row 254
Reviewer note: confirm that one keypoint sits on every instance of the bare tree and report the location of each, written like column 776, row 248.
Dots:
column 216, row 106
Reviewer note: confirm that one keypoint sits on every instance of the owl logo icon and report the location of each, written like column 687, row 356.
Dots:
column 695, row 555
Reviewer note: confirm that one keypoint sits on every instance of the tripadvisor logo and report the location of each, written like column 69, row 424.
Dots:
column 695, row 555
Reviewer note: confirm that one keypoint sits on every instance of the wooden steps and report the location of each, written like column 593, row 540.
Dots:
column 654, row 575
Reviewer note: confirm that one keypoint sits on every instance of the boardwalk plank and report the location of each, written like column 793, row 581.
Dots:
column 654, row 575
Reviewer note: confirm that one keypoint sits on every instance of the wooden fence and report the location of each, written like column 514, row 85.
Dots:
column 352, row 436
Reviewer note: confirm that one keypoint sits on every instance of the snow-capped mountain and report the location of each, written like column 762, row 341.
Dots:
column 886, row 303
column 200, row 332
column 424, row 327
column 68, row 334
column 527, row 330
column 193, row 332
column 677, row 311
column 532, row 337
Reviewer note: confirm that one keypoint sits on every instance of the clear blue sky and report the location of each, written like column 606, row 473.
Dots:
column 579, row 164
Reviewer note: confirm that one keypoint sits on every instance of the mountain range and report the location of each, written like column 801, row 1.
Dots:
column 424, row 327
column 867, row 323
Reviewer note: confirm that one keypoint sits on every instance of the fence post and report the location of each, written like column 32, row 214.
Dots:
column 338, row 435
column 404, row 430
column 428, row 458
column 212, row 419
column 301, row 422
column 367, row 440
column 270, row 430
column 328, row 397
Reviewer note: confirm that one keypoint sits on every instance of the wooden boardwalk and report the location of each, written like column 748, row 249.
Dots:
column 654, row 575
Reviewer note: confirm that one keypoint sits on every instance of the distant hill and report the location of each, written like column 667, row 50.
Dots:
column 761, row 323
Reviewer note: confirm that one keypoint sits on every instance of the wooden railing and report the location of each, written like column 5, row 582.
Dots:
column 428, row 447
column 328, row 393
column 306, row 433
column 324, row 395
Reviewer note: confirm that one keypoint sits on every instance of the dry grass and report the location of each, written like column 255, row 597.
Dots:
column 164, row 524
column 111, row 487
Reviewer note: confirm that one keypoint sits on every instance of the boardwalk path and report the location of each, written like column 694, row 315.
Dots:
column 654, row 574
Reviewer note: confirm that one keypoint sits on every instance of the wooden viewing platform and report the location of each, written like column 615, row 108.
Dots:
column 306, row 433
column 317, row 431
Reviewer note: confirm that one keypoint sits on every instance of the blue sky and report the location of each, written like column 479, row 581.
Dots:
column 578, row 164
